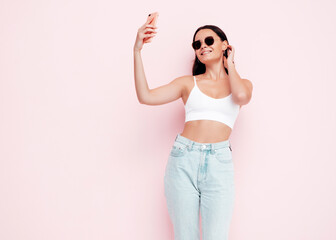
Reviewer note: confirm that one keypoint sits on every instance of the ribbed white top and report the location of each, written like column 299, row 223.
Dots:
column 200, row 106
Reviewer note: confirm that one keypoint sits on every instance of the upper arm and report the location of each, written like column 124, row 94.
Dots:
column 166, row 93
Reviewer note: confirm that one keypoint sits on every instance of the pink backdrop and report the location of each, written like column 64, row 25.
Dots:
column 81, row 158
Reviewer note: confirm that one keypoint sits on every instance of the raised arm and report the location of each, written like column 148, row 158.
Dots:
column 164, row 94
column 161, row 95
column 157, row 96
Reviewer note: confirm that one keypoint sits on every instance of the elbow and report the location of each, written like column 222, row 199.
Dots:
column 141, row 101
column 243, row 98
column 143, row 98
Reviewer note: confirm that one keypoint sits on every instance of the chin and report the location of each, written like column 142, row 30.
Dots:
column 209, row 60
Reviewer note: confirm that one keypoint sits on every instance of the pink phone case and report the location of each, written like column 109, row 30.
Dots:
column 153, row 16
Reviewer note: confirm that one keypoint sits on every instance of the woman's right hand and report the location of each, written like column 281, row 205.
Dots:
column 145, row 33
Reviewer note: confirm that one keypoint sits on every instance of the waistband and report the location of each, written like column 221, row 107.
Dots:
column 192, row 144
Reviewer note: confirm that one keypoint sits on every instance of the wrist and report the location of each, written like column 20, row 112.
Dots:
column 231, row 64
column 136, row 50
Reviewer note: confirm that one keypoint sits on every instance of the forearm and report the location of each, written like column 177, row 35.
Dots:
column 238, row 88
column 141, row 85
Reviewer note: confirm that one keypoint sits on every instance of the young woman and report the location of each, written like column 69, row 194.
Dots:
column 199, row 174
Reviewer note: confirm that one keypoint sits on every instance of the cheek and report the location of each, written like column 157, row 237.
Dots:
column 218, row 50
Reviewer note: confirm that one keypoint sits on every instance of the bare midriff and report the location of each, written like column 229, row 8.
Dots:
column 206, row 131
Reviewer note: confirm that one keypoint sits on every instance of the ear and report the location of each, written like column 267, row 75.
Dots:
column 224, row 45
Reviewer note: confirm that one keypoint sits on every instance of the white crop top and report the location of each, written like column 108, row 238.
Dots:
column 201, row 106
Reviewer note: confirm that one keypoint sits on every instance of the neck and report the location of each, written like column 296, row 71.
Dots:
column 215, row 71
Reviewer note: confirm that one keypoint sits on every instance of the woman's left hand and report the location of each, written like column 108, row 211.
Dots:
column 230, row 51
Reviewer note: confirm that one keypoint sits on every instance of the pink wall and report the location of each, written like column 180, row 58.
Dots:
column 81, row 158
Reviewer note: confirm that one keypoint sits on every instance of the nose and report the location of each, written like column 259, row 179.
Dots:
column 203, row 45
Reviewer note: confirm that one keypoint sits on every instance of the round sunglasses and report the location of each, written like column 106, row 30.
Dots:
column 208, row 41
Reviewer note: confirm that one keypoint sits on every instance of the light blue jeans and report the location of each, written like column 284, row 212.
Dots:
column 199, row 180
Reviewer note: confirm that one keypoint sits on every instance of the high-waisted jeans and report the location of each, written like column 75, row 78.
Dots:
column 199, row 178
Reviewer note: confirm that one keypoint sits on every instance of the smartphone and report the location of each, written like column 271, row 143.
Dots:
column 152, row 17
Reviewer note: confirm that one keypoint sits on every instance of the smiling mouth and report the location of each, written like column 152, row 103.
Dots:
column 205, row 53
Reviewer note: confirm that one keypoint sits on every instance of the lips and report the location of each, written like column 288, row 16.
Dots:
column 205, row 52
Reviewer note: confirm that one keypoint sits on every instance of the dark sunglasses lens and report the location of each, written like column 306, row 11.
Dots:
column 209, row 41
column 196, row 45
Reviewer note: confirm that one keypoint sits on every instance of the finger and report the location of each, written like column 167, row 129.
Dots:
column 148, row 27
column 151, row 26
column 148, row 40
column 149, row 35
column 150, row 30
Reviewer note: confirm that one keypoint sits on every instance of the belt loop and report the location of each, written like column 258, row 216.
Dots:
column 190, row 146
column 212, row 149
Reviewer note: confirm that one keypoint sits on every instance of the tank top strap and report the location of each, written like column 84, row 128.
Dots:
column 195, row 80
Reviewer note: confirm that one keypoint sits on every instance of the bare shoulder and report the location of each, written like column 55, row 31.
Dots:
column 185, row 81
column 184, row 78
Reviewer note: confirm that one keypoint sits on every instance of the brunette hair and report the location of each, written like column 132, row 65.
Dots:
column 198, row 67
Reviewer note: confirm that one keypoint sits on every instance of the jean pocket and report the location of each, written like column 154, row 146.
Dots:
column 178, row 149
column 224, row 155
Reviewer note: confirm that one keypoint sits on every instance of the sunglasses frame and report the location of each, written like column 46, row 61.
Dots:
column 206, row 41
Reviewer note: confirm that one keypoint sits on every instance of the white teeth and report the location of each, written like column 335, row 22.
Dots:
column 205, row 52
